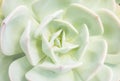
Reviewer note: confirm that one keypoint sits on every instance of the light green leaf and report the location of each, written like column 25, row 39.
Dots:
column 115, row 71
column 8, row 8
column 5, row 61
column 99, row 4
column 83, row 39
column 43, row 8
column 113, row 59
column 111, row 25
column 31, row 45
column 104, row 74
column 43, row 74
column 46, row 21
column 78, row 15
column 93, row 58
column 47, row 49
column 12, row 28
column 18, row 69
column 59, row 68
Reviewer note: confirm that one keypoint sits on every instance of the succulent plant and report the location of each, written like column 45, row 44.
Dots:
column 59, row 40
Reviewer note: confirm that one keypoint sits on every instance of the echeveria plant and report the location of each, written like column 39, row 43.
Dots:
column 59, row 40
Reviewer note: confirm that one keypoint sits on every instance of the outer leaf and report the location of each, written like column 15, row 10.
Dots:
column 8, row 8
column 42, row 74
column 85, row 16
column 113, row 59
column 43, row 8
column 18, row 69
column 12, row 28
column 113, row 62
column 93, row 59
column 116, row 72
column 31, row 45
column 5, row 61
column 111, row 31
column 104, row 74
column 108, row 4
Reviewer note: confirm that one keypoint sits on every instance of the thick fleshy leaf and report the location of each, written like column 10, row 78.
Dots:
column 46, row 21
column 85, row 16
column 84, row 40
column 111, row 31
column 93, row 58
column 47, row 49
column 116, row 72
column 8, row 8
column 113, row 59
column 59, row 68
column 5, row 61
column 98, row 4
column 104, row 74
column 43, row 8
column 31, row 45
column 43, row 74
column 12, row 28
column 18, row 69
column 113, row 62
